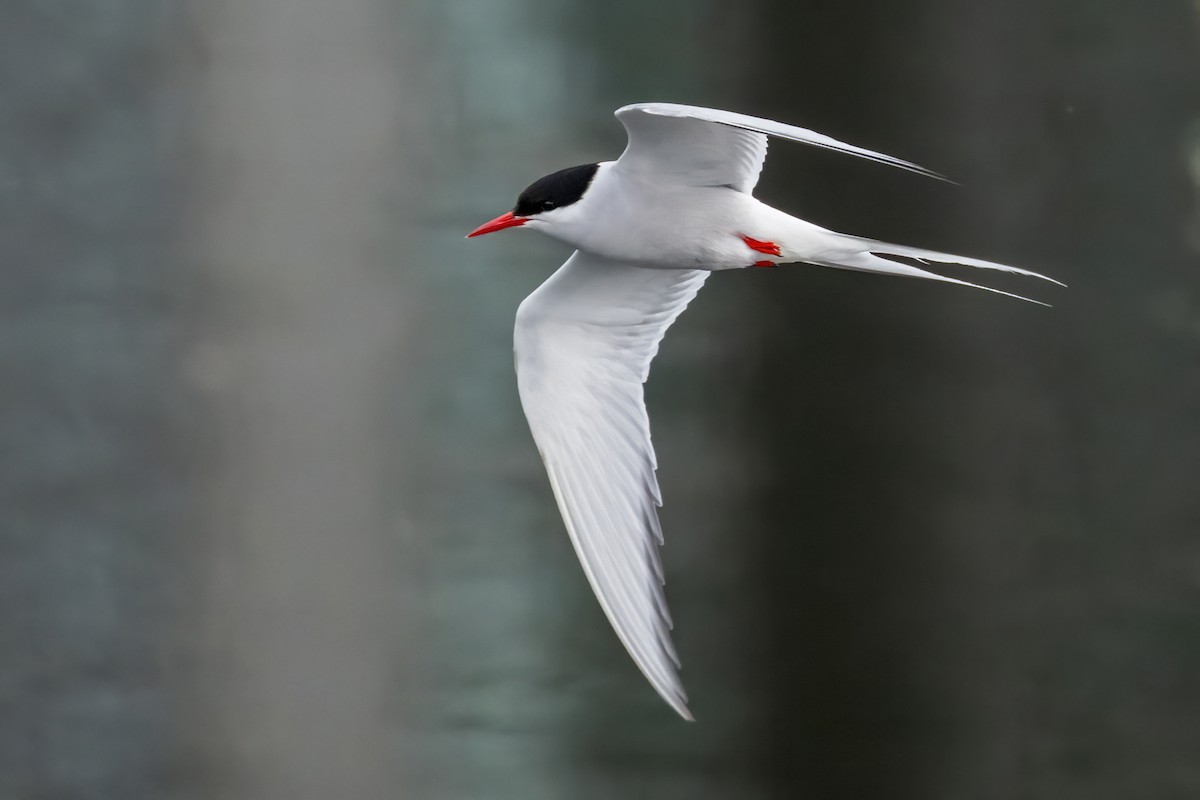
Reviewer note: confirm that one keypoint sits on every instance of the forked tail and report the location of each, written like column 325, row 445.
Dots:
column 868, row 255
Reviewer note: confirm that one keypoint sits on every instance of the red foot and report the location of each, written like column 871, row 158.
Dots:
column 765, row 264
column 770, row 248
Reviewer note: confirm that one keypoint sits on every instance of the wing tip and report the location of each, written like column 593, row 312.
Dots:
column 677, row 700
column 937, row 176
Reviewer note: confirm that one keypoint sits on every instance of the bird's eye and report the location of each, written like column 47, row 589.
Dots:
column 547, row 205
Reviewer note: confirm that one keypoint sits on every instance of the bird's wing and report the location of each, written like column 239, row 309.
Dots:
column 584, row 341
column 697, row 146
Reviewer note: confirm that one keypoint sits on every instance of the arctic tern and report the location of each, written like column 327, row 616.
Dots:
column 648, row 228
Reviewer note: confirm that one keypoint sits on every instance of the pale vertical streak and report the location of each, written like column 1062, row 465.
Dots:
column 298, row 141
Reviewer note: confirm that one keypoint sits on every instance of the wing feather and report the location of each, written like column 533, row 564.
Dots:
column 707, row 147
column 584, row 342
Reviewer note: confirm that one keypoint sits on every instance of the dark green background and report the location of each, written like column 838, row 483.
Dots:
column 271, row 524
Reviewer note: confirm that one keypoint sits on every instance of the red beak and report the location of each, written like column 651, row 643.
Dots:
column 501, row 222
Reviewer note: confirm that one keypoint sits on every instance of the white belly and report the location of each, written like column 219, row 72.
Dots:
column 678, row 227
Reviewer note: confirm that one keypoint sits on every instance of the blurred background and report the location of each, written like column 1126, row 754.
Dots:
column 272, row 525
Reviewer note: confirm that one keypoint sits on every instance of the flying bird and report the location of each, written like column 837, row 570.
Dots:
column 647, row 230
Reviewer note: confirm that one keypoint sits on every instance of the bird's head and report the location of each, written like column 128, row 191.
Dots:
column 547, row 203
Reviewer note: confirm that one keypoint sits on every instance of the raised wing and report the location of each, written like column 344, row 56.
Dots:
column 584, row 341
column 697, row 146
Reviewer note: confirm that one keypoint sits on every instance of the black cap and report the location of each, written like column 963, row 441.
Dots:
column 556, row 190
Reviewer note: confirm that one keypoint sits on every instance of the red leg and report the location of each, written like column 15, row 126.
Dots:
column 770, row 248
column 765, row 264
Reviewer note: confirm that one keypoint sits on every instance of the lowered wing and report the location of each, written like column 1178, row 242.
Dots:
column 584, row 341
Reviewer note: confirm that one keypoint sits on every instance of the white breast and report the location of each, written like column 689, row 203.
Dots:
column 631, row 219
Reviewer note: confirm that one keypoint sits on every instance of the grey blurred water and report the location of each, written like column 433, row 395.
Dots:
column 272, row 522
